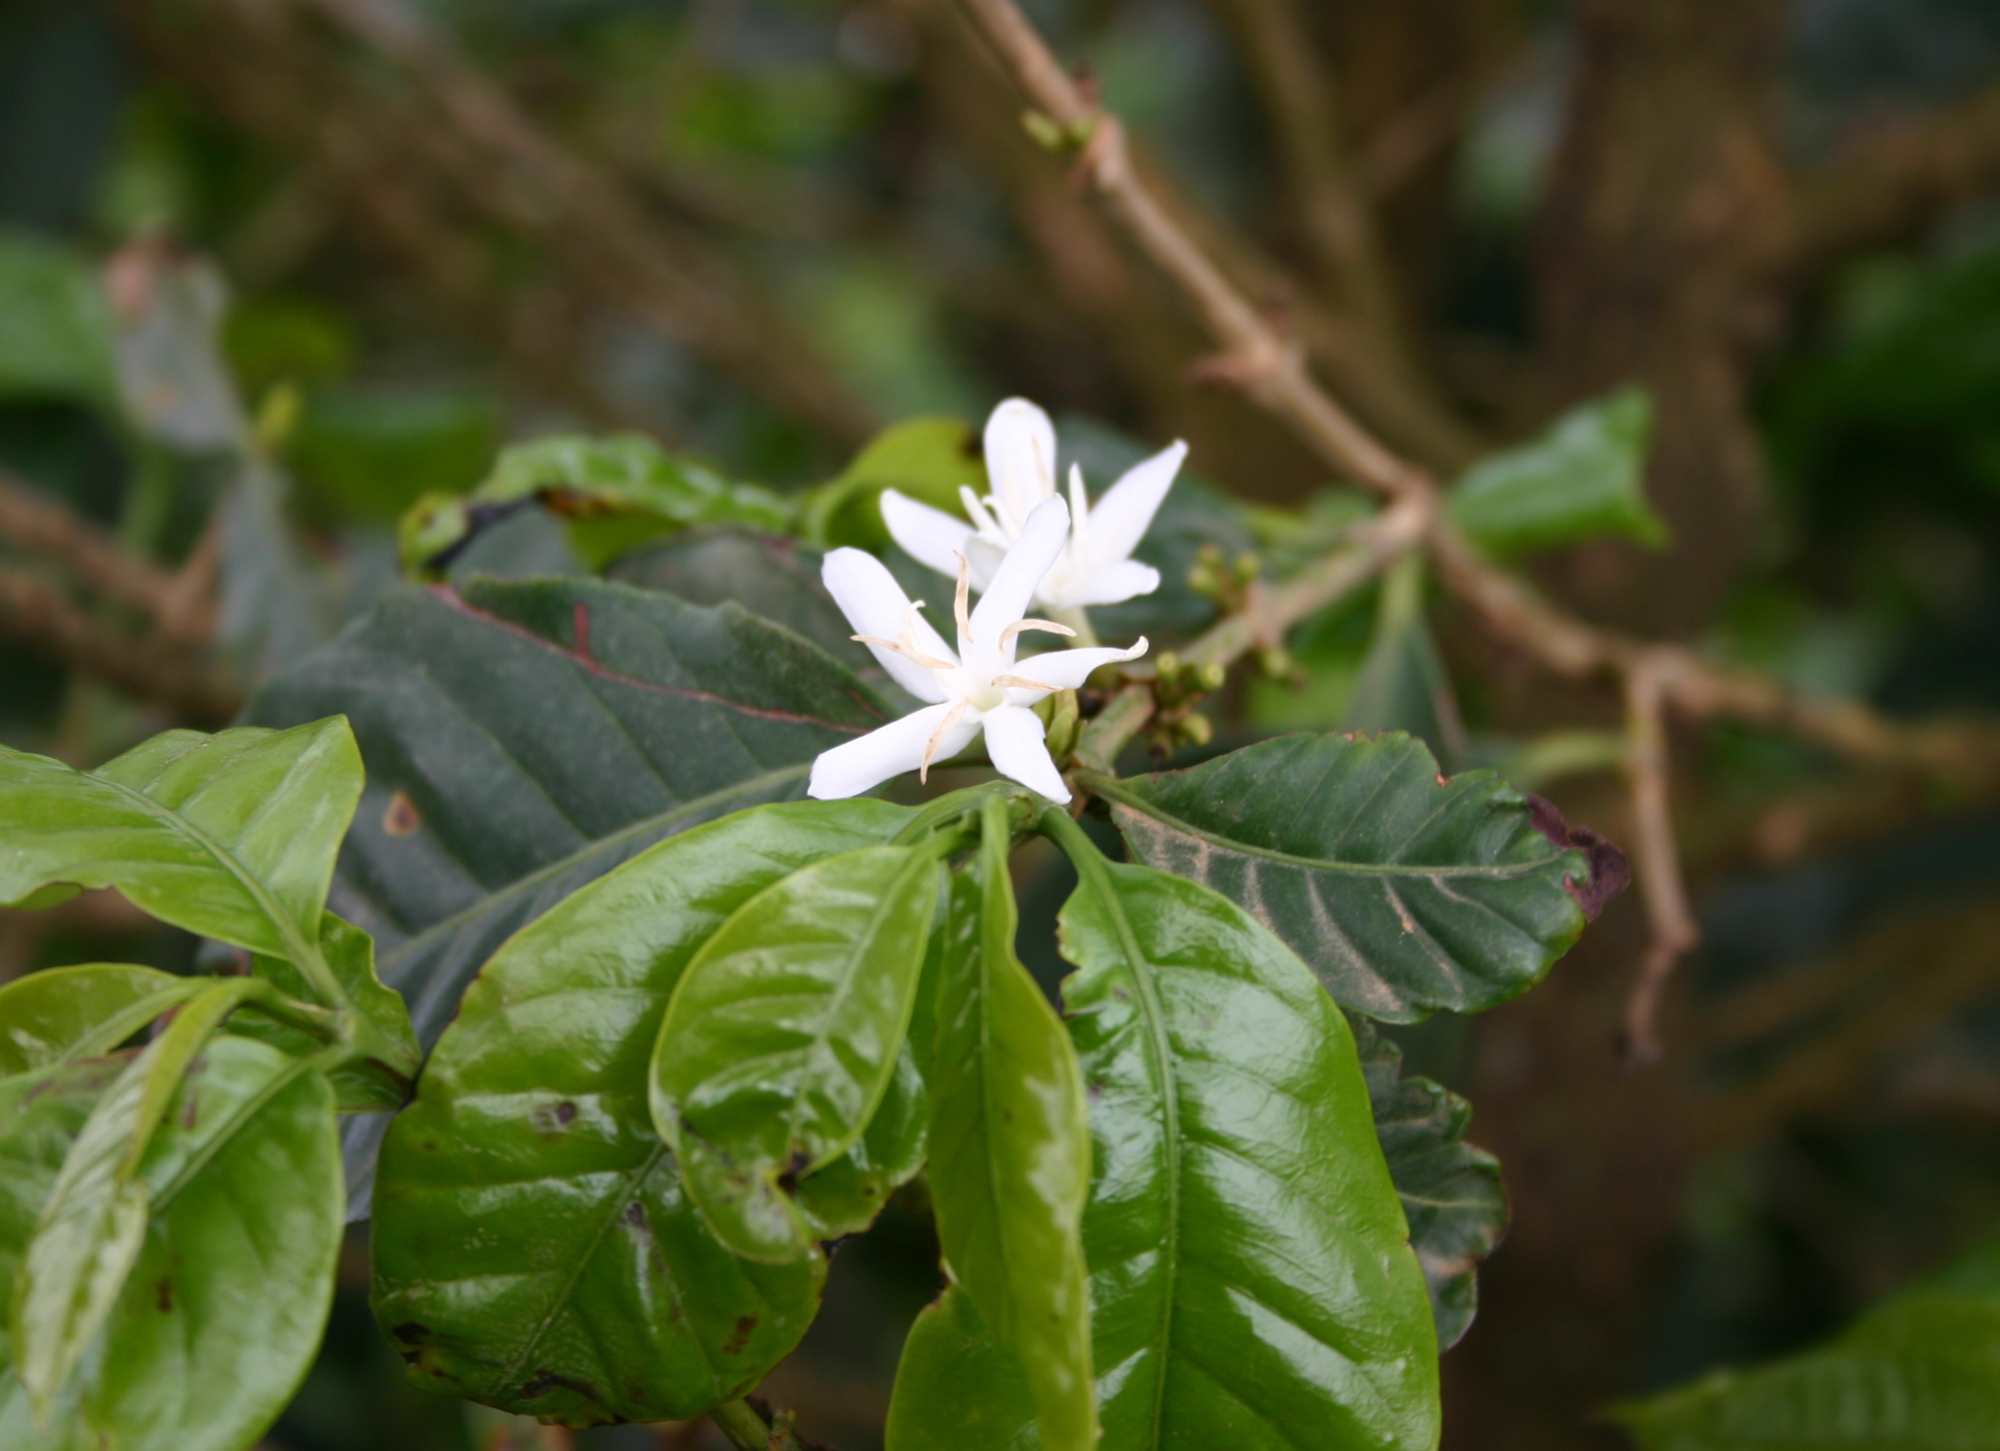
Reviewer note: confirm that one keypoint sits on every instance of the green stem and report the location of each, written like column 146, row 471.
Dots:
column 325, row 1024
column 1077, row 620
column 745, row 1429
column 962, row 806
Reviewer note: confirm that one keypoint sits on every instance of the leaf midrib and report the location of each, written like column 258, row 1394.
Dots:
column 1107, row 787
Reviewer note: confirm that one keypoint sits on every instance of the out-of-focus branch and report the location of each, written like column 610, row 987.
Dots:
column 36, row 524
column 1256, row 358
column 41, row 616
column 400, row 100
column 1674, row 933
column 1886, row 185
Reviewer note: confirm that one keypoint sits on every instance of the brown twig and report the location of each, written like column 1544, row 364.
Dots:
column 1674, row 933
column 37, row 524
column 42, row 616
column 1657, row 678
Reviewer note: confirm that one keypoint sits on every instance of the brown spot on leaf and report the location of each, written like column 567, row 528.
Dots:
column 163, row 1295
column 410, row 1330
column 635, row 1214
column 400, row 817
column 565, row 1113
column 739, row 1335
column 1610, row 873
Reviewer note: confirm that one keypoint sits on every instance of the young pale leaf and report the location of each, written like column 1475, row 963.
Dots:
column 783, row 1034
column 219, row 1318
column 929, row 459
column 533, row 1248
column 1249, row 1273
column 1010, row 1164
column 616, row 492
column 523, row 739
column 1451, row 1191
column 1403, row 891
column 80, row 1012
column 93, row 1224
column 1920, row 1372
column 231, row 835
column 1581, row 478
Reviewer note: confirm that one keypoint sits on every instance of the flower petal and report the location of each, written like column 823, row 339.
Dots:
column 1067, row 669
column 850, row 769
column 1006, row 599
column 1109, row 584
column 1020, row 459
column 929, row 536
column 1015, row 745
column 1126, row 511
column 876, row 605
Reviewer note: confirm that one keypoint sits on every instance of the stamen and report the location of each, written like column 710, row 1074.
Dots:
column 1079, row 516
column 1019, row 625
column 976, row 512
column 951, row 718
column 1020, row 682
column 961, row 606
column 907, row 650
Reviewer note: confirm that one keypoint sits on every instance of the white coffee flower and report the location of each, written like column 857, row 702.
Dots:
column 978, row 687
column 1096, row 568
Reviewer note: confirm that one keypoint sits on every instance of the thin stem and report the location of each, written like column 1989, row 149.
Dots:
column 746, row 1430
column 1658, row 863
column 326, row 1024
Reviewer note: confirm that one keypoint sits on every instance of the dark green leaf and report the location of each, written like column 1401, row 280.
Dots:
column 1582, row 477
column 1251, row 1286
column 231, row 835
column 93, row 1223
column 524, row 738
column 224, row 1308
column 1402, row 684
column 79, row 1012
column 1920, row 1372
column 783, row 1034
column 1451, row 1191
column 616, row 492
column 1403, row 891
column 1010, row 1163
column 533, row 1247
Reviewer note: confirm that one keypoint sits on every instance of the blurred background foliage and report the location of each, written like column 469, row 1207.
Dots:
column 270, row 273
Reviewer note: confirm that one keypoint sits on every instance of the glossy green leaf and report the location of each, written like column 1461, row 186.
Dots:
column 616, row 491
column 1249, row 1275
column 1010, row 1165
column 1920, row 1372
column 364, row 1084
column 1582, row 477
column 929, row 459
column 533, row 1246
column 783, row 1034
column 846, row 1196
column 79, row 1012
column 1403, row 891
column 93, row 1223
column 231, row 835
column 1452, row 1196
column 523, row 739
column 224, row 1308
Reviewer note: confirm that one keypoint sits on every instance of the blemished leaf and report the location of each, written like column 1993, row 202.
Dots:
column 1010, row 1165
column 782, row 1036
column 1920, row 1372
column 81, row 1012
column 1582, row 478
column 57, row 342
column 1451, row 1190
column 846, row 1196
column 231, row 835
column 523, row 739
column 616, row 492
column 929, row 459
column 1403, row 891
column 1249, row 1272
column 93, row 1223
column 533, row 1247
column 224, row 1308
